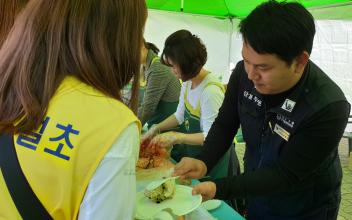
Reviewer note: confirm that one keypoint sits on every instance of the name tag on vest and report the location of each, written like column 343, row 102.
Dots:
column 281, row 132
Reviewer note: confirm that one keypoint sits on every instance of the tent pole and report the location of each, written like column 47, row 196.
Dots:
column 330, row 6
column 229, row 58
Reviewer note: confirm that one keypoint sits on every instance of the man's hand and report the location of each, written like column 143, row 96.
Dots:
column 206, row 189
column 190, row 168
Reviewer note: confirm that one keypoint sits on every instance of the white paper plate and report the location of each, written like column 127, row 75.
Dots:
column 211, row 204
column 183, row 202
column 163, row 215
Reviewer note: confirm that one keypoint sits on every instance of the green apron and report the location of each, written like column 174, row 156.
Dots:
column 164, row 109
column 191, row 125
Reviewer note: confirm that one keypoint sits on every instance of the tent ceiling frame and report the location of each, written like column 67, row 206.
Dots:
column 331, row 6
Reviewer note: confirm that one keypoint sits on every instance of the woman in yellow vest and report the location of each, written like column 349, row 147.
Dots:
column 162, row 88
column 62, row 68
column 201, row 97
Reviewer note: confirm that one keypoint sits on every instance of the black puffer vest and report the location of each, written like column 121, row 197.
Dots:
column 266, row 132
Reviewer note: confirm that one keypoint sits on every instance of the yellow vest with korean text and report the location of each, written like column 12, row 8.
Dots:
column 60, row 158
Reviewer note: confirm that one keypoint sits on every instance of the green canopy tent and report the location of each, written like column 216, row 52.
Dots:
column 216, row 21
column 240, row 8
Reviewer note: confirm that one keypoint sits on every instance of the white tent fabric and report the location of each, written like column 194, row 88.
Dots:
column 332, row 49
column 215, row 33
column 333, row 12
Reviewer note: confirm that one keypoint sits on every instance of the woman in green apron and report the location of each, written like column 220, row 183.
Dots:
column 201, row 97
column 160, row 90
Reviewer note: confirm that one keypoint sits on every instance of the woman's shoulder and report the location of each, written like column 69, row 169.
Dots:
column 212, row 78
column 156, row 68
column 212, row 82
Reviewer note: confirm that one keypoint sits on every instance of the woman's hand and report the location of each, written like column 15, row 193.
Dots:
column 167, row 139
column 154, row 130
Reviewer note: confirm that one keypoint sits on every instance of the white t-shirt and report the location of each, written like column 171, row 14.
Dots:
column 210, row 97
column 111, row 192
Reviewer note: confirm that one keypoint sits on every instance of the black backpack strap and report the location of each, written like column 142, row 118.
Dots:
column 27, row 203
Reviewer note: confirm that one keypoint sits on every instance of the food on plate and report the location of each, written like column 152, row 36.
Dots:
column 151, row 156
column 165, row 191
column 150, row 162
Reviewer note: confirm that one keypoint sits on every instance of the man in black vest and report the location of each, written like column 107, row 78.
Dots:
column 292, row 117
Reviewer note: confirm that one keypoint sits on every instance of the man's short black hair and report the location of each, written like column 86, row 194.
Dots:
column 187, row 51
column 282, row 28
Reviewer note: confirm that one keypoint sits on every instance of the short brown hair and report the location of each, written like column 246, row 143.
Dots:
column 187, row 51
column 99, row 42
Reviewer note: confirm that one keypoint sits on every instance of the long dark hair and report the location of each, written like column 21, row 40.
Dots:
column 98, row 42
column 8, row 11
